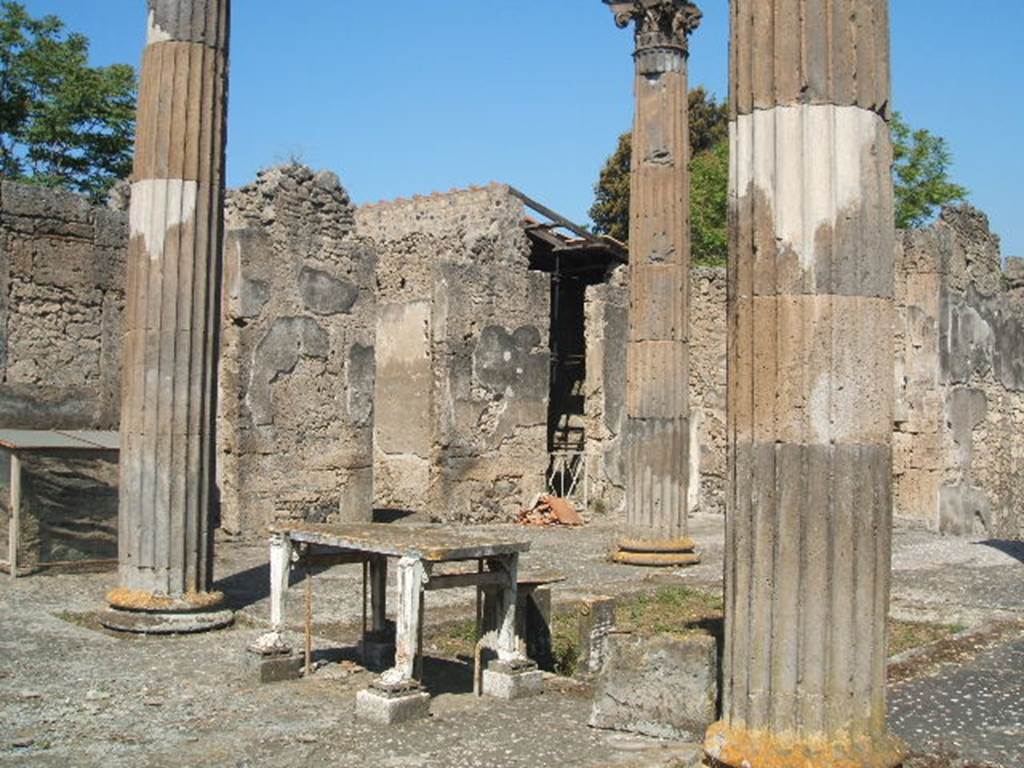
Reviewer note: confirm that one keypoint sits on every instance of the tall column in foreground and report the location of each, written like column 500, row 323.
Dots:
column 173, row 318
column 657, row 355
column 810, row 388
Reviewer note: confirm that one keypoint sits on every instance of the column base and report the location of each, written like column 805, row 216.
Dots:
column 727, row 747
column 504, row 680
column 389, row 705
column 656, row 552
column 148, row 614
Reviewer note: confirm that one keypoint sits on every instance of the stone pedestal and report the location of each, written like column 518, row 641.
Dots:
column 657, row 435
column 172, row 320
column 595, row 623
column 810, row 392
column 392, row 706
column 665, row 686
column 504, row 680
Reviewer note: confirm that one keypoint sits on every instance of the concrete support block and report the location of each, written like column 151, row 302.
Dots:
column 384, row 708
column 664, row 686
column 275, row 669
column 512, row 681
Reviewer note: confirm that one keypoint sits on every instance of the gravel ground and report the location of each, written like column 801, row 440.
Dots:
column 74, row 695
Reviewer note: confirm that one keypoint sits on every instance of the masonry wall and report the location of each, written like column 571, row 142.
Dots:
column 297, row 358
column 606, row 328
column 62, row 273
column 959, row 452
column 463, row 355
column 959, row 340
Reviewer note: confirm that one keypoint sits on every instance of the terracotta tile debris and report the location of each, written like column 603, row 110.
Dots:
column 551, row 510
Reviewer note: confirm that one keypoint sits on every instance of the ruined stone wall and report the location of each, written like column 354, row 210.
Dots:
column 959, row 456
column 297, row 359
column 959, row 339
column 62, row 273
column 606, row 328
column 463, row 354
column 707, row 389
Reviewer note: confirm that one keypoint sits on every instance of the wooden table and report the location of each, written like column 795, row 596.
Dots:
column 418, row 550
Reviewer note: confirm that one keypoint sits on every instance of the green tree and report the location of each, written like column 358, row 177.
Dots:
column 62, row 122
column 921, row 164
column 709, row 168
column 709, row 205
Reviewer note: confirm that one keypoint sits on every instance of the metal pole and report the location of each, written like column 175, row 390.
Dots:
column 309, row 623
column 14, row 534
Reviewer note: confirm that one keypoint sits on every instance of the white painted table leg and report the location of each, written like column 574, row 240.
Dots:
column 412, row 576
column 273, row 642
column 513, row 675
column 510, row 646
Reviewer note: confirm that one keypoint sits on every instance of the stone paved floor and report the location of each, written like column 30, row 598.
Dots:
column 71, row 695
column 975, row 710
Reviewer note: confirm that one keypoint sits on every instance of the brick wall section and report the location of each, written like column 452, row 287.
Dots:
column 462, row 376
column 62, row 273
column 297, row 355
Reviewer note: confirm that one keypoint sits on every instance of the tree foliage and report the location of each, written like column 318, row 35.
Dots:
column 62, row 122
column 709, row 205
column 920, row 173
column 921, row 163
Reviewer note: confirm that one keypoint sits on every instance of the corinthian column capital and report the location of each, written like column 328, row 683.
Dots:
column 660, row 24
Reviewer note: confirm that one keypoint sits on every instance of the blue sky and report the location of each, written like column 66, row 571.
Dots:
column 411, row 96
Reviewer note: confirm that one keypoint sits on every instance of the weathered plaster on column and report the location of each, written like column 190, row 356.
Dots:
column 810, row 399
column 173, row 311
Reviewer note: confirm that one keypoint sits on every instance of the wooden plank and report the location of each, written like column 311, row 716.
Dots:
column 460, row 580
column 428, row 543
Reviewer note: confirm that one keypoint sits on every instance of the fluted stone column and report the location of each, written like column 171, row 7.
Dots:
column 810, row 392
column 171, row 329
column 657, row 355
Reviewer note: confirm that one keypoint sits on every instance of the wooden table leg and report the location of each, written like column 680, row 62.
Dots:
column 412, row 576
column 510, row 645
column 379, row 595
column 273, row 642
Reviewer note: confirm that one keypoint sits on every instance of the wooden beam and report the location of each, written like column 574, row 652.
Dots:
column 459, row 580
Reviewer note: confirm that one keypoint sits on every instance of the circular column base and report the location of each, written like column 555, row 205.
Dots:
column 149, row 614
column 656, row 553
column 148, row 623
column 728, row 747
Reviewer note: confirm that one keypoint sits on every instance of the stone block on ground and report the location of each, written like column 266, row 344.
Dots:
column 275, row 669
column 663, row 686
column 390, row 709
column 596, row 621
column 504, row 681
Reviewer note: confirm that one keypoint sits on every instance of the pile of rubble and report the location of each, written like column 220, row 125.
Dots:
column 550, row 510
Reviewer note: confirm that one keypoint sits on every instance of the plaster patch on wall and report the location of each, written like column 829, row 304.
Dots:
column 175, row 197
column 811, row 189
